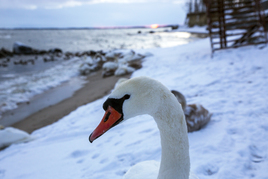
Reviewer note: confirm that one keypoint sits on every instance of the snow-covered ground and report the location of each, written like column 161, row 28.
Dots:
column 232, row 85
column 194, row 29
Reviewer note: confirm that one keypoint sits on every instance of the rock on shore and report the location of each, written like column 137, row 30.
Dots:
column 114, row 62
column 11, row 135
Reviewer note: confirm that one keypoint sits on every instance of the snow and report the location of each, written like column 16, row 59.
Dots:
column 138, row 172
column 194, row 29
column 232, row 85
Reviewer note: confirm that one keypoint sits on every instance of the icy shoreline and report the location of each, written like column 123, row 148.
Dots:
column 19, row 88
column 24, row 87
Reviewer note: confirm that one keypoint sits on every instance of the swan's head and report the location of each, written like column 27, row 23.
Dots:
column 137, row 96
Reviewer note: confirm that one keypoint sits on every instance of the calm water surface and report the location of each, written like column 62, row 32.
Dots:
column 85, row 39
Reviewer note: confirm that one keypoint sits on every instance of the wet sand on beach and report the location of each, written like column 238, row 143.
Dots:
column 95, row 88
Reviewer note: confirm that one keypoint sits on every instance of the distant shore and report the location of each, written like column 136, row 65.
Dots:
column 173, row 26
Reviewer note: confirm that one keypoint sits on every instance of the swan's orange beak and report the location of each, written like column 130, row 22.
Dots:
column 109, row 120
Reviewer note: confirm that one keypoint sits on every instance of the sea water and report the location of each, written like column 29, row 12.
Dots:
column 94, row 39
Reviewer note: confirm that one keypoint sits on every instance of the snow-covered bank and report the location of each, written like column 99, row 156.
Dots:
column 22, row 87
column 233, row 85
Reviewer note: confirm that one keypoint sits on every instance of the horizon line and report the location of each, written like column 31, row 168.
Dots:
column 90, row 28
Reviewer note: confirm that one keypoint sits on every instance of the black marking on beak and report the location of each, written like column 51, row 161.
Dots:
column 107, row 117
column 117, row 104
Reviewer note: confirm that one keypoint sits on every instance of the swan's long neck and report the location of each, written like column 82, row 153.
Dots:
column 175, row 161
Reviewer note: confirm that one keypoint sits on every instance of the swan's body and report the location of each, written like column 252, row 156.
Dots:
column 144, row 95
column 196, row 115
column 180, row 97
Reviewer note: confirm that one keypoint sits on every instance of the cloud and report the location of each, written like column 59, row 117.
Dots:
column 45, row 4
column 58, row 4
column 95, row 15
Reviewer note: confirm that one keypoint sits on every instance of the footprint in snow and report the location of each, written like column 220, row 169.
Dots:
column 134, row 143
column 120, row 172
column 208, row 169
column 117, row 143
column 79, row 153
column 80, row 161
column 126, row 158
column 95, row 156
column 2, row 173
column 146, row 131
column 233, row 131
column 265, row 127
column 104, row 161
column 257, row 155
column 109, row 139
column 99, row 145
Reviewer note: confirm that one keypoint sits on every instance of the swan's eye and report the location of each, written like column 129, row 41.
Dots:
column 127, row 96
column 115, row 103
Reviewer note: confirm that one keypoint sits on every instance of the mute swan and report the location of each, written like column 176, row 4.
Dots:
column 180, row 97
column 196, row 115
column 143, row 95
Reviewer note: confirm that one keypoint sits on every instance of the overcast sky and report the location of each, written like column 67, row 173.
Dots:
column 90, row 13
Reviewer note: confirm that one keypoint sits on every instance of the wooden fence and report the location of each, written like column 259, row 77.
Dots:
column 233, row 23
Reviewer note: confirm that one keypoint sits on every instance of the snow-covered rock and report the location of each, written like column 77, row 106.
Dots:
column 109, row 68
column 123, row 69
column 89, row 65
column 88, row 60
column 99, row 58
column 21, row 48
column 114, row 62
column 112, row 55
column 147, row 54
column 10, row 135
column 85, row 69
column 130, row 56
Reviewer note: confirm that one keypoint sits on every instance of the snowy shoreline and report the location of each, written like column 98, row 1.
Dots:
column 233, row 85
column 20, row 87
